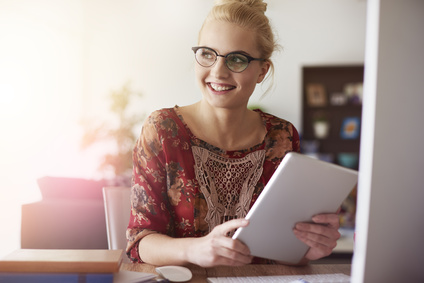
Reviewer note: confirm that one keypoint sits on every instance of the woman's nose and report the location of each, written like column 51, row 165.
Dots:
column 219, row 69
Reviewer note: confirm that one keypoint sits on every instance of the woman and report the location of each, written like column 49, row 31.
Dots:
column 199, row 168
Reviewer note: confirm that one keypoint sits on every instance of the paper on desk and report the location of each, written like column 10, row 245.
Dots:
column 124, row 276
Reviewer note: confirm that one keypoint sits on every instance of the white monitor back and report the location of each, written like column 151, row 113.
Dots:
column 390, row 217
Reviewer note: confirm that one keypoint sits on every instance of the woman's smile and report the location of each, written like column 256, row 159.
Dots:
column 220, row 87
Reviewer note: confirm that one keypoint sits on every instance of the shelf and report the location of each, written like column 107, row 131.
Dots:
column 320, row 83
column 333, row 94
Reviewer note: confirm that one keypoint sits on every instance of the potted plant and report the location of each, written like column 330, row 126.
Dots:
column 120, row 134
column 321, row 126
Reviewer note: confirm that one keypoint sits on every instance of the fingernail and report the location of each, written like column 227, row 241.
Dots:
column 316, row 218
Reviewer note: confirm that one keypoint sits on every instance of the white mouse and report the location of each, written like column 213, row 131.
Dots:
column 175, row 273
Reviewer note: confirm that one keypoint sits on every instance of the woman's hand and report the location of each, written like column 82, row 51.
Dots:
column 321, row 236
column 217, row 248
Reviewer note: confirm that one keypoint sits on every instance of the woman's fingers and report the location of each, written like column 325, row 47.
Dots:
column 321, row 236
column 217, row 248
column 236, row 255
column 227, row 242
column 231, row 225
column 317, row 237
column 318, row 230
column 331, row 220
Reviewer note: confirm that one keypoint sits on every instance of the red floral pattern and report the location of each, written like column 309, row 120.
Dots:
column 166, row 196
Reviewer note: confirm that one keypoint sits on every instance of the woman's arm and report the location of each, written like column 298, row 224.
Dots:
column 214, row 249
column 149, row 207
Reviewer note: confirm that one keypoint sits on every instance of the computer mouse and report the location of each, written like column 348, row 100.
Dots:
column 175, row 273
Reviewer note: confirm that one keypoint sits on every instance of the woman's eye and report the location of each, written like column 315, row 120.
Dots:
column 207, row 54
column 238, row 58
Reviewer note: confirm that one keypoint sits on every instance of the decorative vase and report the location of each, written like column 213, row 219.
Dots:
column 321, row 129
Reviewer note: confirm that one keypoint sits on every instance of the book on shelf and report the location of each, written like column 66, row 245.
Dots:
column 122, row 276
column 62, row 261
column 26, row 277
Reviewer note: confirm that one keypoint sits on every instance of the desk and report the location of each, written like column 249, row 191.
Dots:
column 200, row 274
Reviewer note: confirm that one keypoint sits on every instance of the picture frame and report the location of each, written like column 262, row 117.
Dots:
column 316, row 95
column 350, row 128
column 354, row 92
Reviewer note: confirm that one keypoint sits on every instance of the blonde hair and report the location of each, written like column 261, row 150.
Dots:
column 248, row 14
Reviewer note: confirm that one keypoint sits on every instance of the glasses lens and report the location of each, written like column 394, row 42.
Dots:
column 237, row 62
column 205, row 57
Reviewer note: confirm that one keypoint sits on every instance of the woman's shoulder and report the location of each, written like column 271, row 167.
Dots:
column 274, row 122
column 163, row 112
column 281, row 137
column 157, row 117
column 164, row 122
column 278, row 127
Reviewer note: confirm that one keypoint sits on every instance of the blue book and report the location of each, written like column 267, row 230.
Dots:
column 7, row 277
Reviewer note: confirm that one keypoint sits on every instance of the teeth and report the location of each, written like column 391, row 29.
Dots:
column 220, row 88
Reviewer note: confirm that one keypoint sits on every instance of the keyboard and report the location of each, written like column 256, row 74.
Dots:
column 312, row 278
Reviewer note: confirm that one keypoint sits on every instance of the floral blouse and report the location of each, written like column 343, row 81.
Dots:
column 184, row 187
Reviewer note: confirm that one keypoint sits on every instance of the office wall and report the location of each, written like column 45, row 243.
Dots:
column 389, row 223
column 149, row 43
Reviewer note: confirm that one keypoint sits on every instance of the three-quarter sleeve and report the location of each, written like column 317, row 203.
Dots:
column 149, row 213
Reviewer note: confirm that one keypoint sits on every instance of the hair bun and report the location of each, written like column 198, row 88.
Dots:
column 259, row 5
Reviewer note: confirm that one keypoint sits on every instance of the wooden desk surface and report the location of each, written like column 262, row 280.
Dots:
column 200, row 274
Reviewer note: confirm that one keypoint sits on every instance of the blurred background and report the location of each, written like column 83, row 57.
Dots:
column 66, row 65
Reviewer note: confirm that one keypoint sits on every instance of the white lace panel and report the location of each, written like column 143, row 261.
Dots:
column 227, row 183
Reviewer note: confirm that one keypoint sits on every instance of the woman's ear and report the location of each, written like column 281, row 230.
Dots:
column 264, row 70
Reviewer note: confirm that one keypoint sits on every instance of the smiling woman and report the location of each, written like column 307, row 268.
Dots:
column 199, row 168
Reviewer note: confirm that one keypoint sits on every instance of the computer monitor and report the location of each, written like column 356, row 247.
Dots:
column 389, row 243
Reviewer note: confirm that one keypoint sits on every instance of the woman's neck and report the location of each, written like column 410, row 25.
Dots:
column 229, row 129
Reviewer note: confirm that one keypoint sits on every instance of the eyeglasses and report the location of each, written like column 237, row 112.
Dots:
column 235, row 61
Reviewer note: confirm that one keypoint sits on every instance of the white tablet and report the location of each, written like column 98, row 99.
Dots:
column 300, row 188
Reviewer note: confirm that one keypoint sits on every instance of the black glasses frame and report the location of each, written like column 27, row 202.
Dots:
column 249, row 58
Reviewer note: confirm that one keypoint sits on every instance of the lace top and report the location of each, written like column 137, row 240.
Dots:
column 184, row 187
column 227, row 184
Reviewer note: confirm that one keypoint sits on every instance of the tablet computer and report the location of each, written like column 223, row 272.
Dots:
column 300, row 188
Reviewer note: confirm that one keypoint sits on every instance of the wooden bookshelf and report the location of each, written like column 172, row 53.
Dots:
column 333, row 94
column 333, row 79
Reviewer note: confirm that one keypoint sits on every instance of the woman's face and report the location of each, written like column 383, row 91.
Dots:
column 221, row 87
